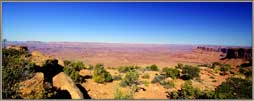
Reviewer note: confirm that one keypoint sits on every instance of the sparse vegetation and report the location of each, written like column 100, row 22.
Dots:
column 167, row 84
column 72, row 69
column 187, row 92
column 152, row 68
column 179, row 66
column 100, row 75
column 15, row 68
column 78, row 65
column 158, row 78
column 121, row 95
column 190, row 72
column 171, row 72
column 117, row 77
column 225, row 68
column 146, row 83
column 124, row 69
column 146, row 76
column 234, row 88
column 18, row 67
column 131, row 78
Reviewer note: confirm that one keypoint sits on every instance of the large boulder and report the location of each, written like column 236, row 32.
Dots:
column 64, row 82
column 33, row 85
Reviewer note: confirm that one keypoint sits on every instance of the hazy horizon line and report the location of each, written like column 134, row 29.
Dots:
column 125, row 43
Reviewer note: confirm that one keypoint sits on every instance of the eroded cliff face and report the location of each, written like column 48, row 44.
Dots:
column 242, row 53
column 231, row 53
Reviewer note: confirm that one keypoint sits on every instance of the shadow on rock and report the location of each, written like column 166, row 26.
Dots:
column 50, row 69
column 84, row 91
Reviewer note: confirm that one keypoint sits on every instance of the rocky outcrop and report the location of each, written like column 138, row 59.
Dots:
column 20, row 48
column 231, row 53
column 64, row 82
column 209, row 49
column 33, row 85
column 242, row 53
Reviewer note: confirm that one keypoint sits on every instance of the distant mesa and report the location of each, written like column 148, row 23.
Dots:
column 231, row 53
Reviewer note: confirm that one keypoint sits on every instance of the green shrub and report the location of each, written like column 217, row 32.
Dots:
column 206, row 95
column 146, row 83
column 121, row 95
column 100, row 75
column 170, row 72
column 78, row 65
column 15, row 68
column 179, row 66
column 187, row 91
column 246, row 72
column 67, row 62
column 214, row 64
column 117, row 77
column 124, row 69
column 146, row 76
column 205, row 65
column 152, row 68
column 225, row 68
column 74, row 75
column 167, row 84
column 130, row 79
column 190, row 72
column 158, row 78
column 90, row 67
column 234, row 88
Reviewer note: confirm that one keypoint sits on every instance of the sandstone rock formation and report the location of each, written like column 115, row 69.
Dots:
column 21, row 48
column 34, row 85
column 231, row 53
column 242, row 53
column 64, row 82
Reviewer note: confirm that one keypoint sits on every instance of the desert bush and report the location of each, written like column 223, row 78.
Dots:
column 167, row 84
column 179, row 66
column 146, row 76
column 158, row 78
column 170, row 72
column 67, row 62
column 78, row 65
column 225, row 68
column 187, row 91
column 131, row 78
column 206, row 94
column 121, row 95
column 152, row 68
column 190, row 72
column 205, row 65
column 90, row 67
column 124, row 69
column 74, row 75
column 15, row 68
column 214, row 64
column 246, row 72
column 100, row 75
column 146, row 83
column 117, row 77
column 234, row 88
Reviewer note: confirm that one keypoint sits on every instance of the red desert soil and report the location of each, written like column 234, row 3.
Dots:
column 117, row 54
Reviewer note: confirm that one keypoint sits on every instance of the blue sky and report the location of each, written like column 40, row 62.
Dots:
column 143, row 22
